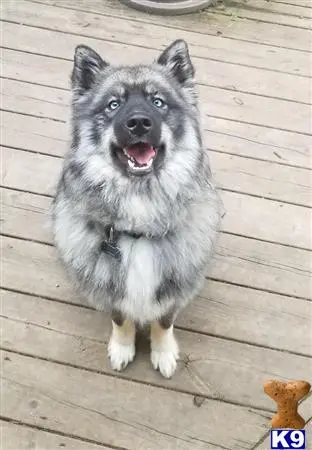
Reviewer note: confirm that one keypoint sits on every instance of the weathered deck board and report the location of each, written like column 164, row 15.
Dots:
column 53, row 103
column 18, row 167
column 20, row 437
column 275, row 7
column 71, row 21
column 263, row 265
column 46, row 70
column 303, row 3
column 48, row 42
column 35, row 100
column 258, row 142
column 294, row 222
column 35, row 134
column 208, row 366
column 105, row 409
column 266, row 11
column 264, row 144
column 252, row 316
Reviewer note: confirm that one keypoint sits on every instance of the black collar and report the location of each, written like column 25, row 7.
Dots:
column 113, row 235
column 109, row 244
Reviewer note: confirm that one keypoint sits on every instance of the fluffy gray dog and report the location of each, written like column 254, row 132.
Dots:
column 136, row 214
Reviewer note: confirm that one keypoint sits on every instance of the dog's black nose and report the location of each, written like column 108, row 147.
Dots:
column 139, row 125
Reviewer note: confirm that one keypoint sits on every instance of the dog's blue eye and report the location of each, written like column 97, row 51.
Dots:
column 158, row 102
column 114, row 104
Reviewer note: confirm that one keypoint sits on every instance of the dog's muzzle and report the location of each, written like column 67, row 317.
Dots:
column 137, row 134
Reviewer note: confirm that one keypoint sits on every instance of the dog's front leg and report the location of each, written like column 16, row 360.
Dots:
column 164, row 348
column 121, row 347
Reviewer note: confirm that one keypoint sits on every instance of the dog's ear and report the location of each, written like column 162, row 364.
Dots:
column 87, row 65
column 177, row 60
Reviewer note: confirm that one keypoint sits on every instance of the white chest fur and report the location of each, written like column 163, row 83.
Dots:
column 143, row 271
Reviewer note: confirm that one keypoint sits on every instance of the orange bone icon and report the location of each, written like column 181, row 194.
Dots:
column 287, row 396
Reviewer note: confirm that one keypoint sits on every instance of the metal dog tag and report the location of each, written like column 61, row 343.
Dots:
column 109, row 246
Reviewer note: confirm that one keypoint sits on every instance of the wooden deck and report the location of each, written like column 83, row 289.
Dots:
column 252, row 320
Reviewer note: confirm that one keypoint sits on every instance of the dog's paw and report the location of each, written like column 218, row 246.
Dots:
column 164, row 356
column 165, row 362
column 120, row 355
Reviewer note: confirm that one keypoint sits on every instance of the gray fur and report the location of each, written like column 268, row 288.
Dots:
column 173, row 211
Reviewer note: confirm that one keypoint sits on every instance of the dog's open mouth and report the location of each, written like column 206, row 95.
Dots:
column 138, row 157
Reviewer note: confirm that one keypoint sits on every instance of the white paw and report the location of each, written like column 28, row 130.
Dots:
column 120, row 355
column 165, row 359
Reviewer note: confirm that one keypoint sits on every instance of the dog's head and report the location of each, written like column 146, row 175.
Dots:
column 139, row 116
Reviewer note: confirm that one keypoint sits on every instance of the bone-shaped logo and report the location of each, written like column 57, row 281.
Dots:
column 287, row 396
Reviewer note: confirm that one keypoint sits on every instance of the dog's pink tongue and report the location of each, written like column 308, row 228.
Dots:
column 142, row 153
